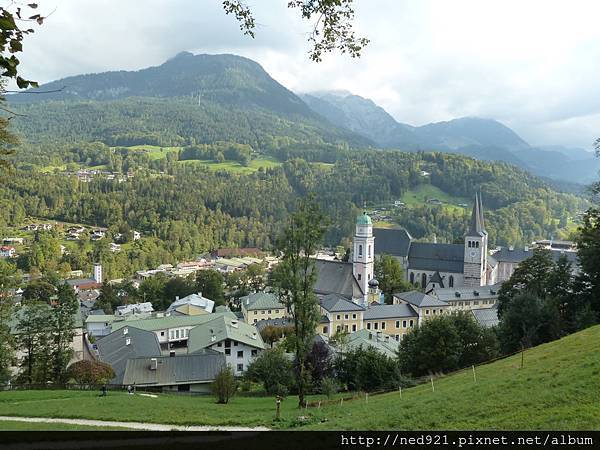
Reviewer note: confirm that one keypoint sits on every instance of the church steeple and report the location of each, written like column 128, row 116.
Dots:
column 481, row 213
column 476, row 224
column 363, row 257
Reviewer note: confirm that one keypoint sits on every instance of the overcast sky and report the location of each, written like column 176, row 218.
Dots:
column 534, row 65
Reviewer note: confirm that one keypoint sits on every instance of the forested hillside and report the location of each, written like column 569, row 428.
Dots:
column 220, row 155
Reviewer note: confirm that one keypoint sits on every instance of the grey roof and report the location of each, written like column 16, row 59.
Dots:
column 193, row 299
column 519, row 255
column 392, row 241
column 337, row 303
column 436, row 257
column 419, row 299
column 381, row 342
column 335, row 277
column 114, row 350
column 389, row 311
column 455, row 294
column 476, row 223
column 437, row 278
column 279, row 323
column 487, row 317
column 180, row 369
column 261, row 300
column 221, row 328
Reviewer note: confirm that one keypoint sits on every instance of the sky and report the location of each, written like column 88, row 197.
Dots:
column 533, row 65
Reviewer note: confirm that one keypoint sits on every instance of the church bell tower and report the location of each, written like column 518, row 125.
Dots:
column 476, row 246
column 363, row 256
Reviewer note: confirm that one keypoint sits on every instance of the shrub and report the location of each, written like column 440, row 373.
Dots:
column 224, row 386
column 273, row 369
column 329, row 387
column 90, row 372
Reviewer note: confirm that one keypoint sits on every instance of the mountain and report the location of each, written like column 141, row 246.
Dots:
column 480, row 138
column 189, row 98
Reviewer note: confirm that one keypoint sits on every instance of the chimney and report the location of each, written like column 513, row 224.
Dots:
column 127, row 341
column 176, row 297
column 153, row 364
column 254, row 335
column 125, row 331
column 526, row 248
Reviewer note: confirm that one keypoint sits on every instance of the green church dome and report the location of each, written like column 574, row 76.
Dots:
column 363, row 219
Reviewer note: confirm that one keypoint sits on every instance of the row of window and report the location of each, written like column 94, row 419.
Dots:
column 179, row 333
column 376, row 326
column 346, row 317
column 266, row 312
column 424, row 279
column 473, row 244
column 434, row 311
column 476, row 302
column 360, row 250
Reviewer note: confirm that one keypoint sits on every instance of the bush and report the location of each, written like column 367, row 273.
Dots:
column 90, row 372
column 366, row 369
column 224, row 386
column 329, row 387
column 273, row 369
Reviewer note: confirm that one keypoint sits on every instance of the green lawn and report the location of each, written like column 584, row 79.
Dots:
column 419, row 196
column 235, row 167
column 154, row 151
column 557, row 389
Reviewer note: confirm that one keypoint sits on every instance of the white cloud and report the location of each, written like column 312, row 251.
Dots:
column 532, row 65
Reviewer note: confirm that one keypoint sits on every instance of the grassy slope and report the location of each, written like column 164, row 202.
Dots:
column 557, row 389
column 13, row 425
column 234, row 166
column 419, row 195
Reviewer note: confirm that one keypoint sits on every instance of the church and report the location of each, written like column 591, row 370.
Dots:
column 427, row 265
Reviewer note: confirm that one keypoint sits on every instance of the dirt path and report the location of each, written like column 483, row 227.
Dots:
column 133, row 425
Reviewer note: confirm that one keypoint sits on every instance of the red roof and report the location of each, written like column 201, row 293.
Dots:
column 228, row 252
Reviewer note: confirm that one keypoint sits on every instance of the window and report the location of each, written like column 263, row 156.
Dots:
column 360, row 250
column 227, row 343
column 359, row 276
column 353, row 327
column 451, row 281
column 345, row 316
column 219, row 344
column 397, row 337
column 404, row 323
column 262, row 312
column 269, row 311
column 254, row 352
column 397, row 324
column 235, row 343
column 162, row 333
column 240, row 354
column 354, row 316
column 412, row 278
column 476, row 302
column 255, row 320
column 469, row 244
column 477, row 244
column 240, row 367
column 424, row 280
column 255, row 312
column 368, row 325
column 338, row 317
column 276, row 311
column 411, row 323
column 426, row 312
column 346, row 328
column 325, row 330
column 369, row 250
column 176, row 334
column 228, row 351
column 338, row 328
column 375, row 325
column 383, row 325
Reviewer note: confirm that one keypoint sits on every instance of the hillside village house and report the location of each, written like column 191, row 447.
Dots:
column 191, row 305
column 393, row 320
column 339, row 314
column 262, row 306
column 509, row 258
column 7, row 251
column 424, row 305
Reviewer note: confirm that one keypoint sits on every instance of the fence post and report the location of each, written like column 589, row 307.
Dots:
column 522, row 355
column 474, row 376
column 367, row 398
column 432, row 387
column 278, row 407
column 400, row 390
column 342, row 401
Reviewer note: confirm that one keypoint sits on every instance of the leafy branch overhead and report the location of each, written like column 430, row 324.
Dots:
column 11, row 39
column 332, row 28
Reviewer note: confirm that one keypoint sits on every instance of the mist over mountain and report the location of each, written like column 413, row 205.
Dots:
column 480, row 138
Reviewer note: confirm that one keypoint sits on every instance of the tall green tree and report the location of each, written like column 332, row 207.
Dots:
column 210, row 283
column 295, row 279
column 390, row 275
column 61, row 327
column 33, row 338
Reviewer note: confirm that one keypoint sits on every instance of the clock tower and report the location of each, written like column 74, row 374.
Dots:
column 476, row 242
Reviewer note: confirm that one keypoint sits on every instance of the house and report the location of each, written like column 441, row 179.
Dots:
column 336, row 277
column 393, row 320
column 182, row 373
column 339, row 314
column 13, row 240
column 136, row 235
column 237, row 340
column 509, row 259
column 115, row 247
column 467, row 298
column 7, row 251
column 135, row 308
column 99, row 325
column 262, row 306
column 424, row 305
column 193, row 304
column 124, row 344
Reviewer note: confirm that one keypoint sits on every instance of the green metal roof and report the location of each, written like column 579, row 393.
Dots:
column 163, row 323
column 364, row 219
column 381, row 342
column 261, row 300
column 221, row 328
column 100, row 318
